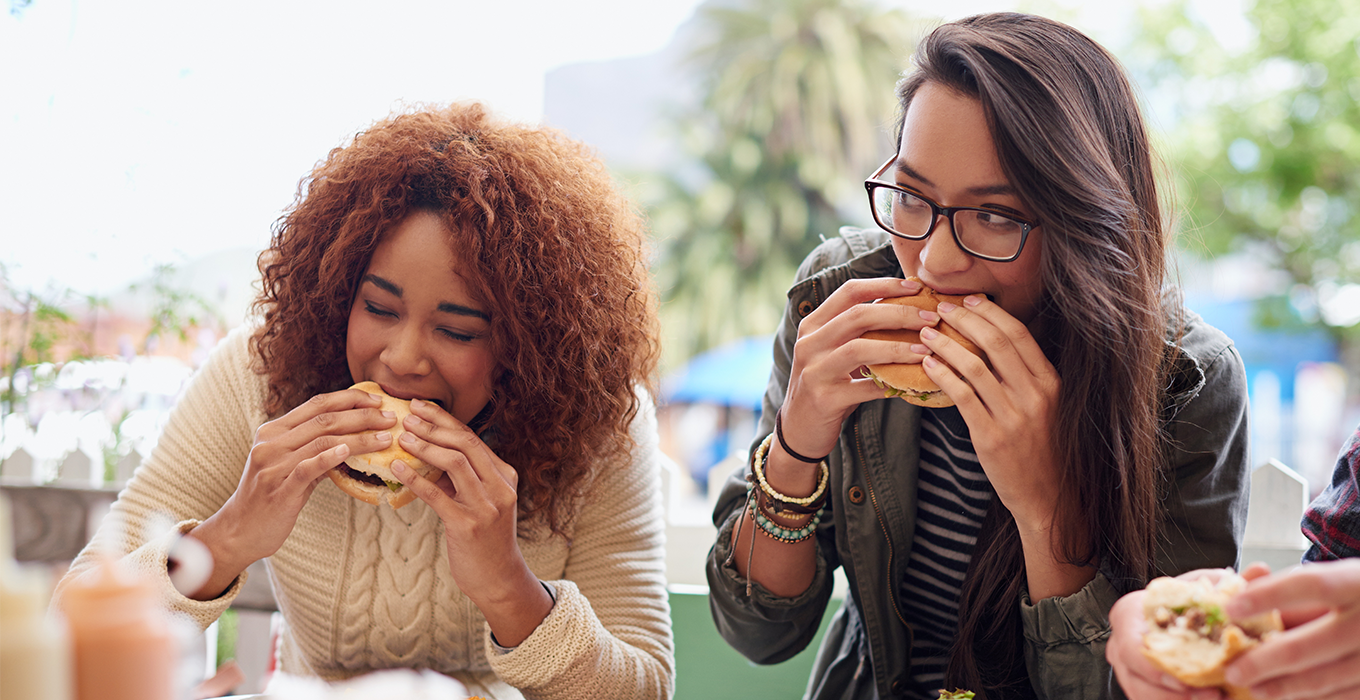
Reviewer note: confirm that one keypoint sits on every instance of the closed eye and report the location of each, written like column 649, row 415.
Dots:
column 458, row 336
column 378, row 310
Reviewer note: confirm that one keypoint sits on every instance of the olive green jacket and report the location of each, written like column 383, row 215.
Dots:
column 866, row 650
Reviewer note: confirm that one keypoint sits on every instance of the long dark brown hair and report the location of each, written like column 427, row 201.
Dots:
column 1072, row 143
column 544, row 238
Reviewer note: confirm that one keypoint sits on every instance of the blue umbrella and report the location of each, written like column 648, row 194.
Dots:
column 732, row 375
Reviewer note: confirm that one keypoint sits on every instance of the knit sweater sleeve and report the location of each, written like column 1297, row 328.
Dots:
column 608, row 634
column 193, row 470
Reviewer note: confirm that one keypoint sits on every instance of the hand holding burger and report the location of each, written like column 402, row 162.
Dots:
column 909, row 381
column 368, row 477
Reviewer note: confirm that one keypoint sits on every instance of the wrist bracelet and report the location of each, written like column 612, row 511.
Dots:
column 757, row 467
column 779, row 431
column 784, row 534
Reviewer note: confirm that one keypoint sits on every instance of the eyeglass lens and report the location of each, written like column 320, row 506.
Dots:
column 978, row 231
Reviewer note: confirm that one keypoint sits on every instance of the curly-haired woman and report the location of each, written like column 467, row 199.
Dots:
column 491, row 272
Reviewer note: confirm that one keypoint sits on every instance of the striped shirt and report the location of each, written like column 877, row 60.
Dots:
column 952, row 497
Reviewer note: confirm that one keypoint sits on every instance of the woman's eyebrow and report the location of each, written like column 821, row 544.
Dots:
column 978, row 191
column 385, row 285
column 460, row 310
column 447, row 307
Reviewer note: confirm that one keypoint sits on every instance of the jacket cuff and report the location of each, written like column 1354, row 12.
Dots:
column 723, row 574
column 1080, row 618
column 1065, row 641
column 568, row 636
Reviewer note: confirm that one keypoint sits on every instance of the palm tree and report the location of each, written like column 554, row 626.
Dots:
column 798, row 101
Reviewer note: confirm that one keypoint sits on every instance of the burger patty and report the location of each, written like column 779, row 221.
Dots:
column 365, row 477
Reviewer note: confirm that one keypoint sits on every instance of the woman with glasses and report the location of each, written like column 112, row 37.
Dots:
column 493, row 274
column 1103, row 442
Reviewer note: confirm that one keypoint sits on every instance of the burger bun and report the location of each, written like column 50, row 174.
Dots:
column 361, row 474
column 909, row 381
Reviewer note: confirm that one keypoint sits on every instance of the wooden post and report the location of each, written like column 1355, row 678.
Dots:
column 19, row 467
column 1273, row 534
column 122, row 473
column 77, row 470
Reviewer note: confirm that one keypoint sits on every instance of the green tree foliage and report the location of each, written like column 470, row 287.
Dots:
column 32, row 325
column 796, row 109
column 1265, row 143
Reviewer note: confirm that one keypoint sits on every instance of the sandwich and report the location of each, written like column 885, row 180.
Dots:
column 368, row 477
column 909, row 380
column 1191, row 638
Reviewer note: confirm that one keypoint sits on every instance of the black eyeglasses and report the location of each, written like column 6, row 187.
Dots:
column 982, row 233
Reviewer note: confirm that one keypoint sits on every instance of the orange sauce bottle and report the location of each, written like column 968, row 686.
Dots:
column 123, row 643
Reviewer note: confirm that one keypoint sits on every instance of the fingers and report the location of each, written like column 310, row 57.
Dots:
column 1139, row 677
column 441, row 440
column 312, row 429
column 855, row 293
column 1010, row 347
column 310, row 471
column 332, row 402
column 1335, row 583
column 1339, row 678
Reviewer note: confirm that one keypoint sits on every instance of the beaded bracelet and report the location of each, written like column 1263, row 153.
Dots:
column 758, row 462
column 784, row 534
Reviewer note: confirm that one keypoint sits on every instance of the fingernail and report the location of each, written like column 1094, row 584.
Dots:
column 384, row 437
column 389, row 414
column 920, row 349
column 945, row 307
column 929, row 333
column 412, row 421
column 417, row 403
column 1171, row 682
column 342, row 451
column 399, row 468
column 408, row 439
column 928, row 316
column 972, row 300
column 930, row 361
column 911, row 284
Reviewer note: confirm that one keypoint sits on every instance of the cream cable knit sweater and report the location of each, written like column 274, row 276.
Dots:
column 364, row 587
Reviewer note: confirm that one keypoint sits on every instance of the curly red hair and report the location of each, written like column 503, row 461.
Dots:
column 554, row 251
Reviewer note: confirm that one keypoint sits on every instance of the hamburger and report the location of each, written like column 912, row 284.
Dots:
column 909, row 381
column 368, row 477
column 1191, row 638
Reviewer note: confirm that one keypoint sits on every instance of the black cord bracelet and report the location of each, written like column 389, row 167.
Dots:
column 779, row 432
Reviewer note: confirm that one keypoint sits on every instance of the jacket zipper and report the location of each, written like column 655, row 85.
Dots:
column 873, row 497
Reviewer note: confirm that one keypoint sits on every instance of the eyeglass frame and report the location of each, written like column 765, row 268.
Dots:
column 872, row 182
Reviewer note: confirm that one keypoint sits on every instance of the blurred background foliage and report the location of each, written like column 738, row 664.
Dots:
column 795, row 111
column 1264, row 142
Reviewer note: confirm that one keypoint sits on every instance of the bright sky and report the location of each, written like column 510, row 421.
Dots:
column 160, row 131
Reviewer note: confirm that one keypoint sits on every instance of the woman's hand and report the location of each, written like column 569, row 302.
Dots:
column 290, row 456
column 476, row 498
column 825, row 383
column 1318, row 654
column 1009, row 407
column 1138, row 676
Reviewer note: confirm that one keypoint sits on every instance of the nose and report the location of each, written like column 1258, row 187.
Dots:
column 941, row 253
column 404, row 352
